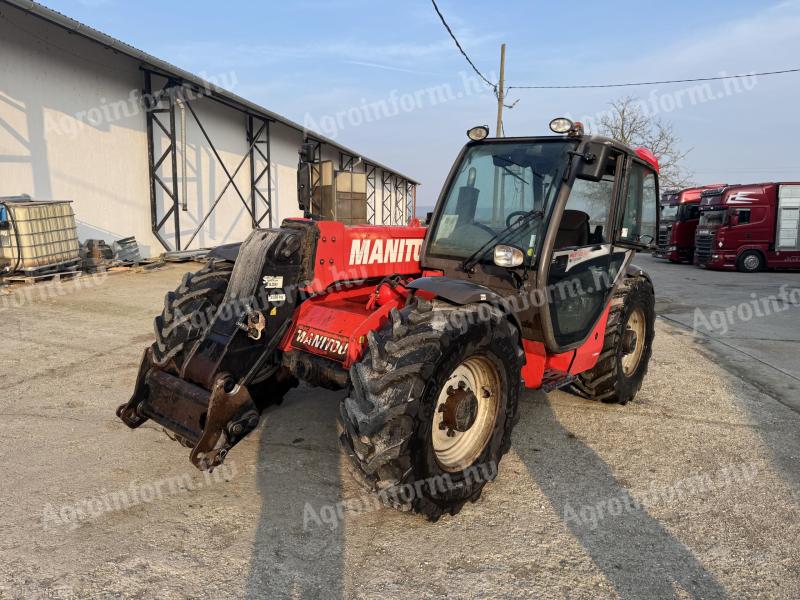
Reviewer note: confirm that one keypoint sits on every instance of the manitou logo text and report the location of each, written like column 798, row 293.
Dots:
column 381, row 251
column 320, row 342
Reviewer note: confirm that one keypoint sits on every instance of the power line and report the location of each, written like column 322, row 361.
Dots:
column 641, row 83
column 460, row 49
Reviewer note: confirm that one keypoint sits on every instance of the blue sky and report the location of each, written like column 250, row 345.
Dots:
column 315, row 60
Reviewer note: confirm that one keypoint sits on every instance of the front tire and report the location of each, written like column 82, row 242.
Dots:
column 628, row 345
column 750, row 261
column 415, row 430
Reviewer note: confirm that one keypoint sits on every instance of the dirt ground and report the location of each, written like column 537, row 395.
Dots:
column 691, row 491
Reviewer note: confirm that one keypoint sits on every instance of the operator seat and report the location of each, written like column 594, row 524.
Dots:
column 573, row 230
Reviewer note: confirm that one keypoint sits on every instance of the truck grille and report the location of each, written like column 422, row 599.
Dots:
column 663, row 236
column 704, row 246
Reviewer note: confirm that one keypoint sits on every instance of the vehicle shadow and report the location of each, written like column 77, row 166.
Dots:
column 634, row 551
column 297, row 472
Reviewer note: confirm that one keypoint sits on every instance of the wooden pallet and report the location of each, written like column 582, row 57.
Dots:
column 32, row 279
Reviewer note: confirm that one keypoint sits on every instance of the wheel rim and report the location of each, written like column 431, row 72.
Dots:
column 465, row 413
column 751, row 262
column 635, row 324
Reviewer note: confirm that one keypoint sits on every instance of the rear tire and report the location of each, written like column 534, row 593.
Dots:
column 617, row 376
column 751, row 261
column 393, row 421
column 187, row 315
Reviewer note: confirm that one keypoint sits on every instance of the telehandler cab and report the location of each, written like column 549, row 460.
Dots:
column 522, row 277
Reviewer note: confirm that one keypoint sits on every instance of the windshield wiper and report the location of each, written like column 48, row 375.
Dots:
column 469, row 262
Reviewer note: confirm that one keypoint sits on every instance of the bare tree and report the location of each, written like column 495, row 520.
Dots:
column 628, row 122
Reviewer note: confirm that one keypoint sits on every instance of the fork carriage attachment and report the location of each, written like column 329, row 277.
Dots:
column 210, row 422
column 200, row 394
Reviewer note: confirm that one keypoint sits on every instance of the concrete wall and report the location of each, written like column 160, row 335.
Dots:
column 72, row 127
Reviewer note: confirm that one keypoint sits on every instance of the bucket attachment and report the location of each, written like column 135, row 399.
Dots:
column 211, row 423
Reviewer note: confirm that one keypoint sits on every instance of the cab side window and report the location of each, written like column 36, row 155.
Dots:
column 743, row 216
column 637, row 222
column 588, row 211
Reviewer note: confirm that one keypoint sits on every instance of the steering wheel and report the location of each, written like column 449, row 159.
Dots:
column 486, row 228
column 516, row 213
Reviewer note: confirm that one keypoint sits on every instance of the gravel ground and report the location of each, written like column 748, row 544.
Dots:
column 690, row 491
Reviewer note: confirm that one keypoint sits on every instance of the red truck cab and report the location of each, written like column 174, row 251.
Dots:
column 680, row 215
column 749, row 227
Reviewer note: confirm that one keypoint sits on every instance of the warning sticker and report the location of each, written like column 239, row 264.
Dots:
column 273, row 281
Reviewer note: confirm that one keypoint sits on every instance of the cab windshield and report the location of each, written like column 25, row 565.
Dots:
column 669, row 213
column 495, row 184
column 713, row 218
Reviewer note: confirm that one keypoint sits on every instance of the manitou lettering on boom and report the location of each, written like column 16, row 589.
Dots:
column 380, row 251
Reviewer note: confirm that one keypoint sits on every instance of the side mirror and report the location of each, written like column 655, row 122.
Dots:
column 508, row 256
column 428, row 218
column 594, row 161
column 304, row 186
column 307, row 152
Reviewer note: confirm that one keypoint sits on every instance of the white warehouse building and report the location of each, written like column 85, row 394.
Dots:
column 145, row 149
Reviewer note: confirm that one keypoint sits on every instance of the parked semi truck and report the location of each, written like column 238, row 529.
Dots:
column 749, row 227
column 680, row 214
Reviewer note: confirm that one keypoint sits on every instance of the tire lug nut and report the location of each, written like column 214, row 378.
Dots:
column 486, row 392
column 442, row 426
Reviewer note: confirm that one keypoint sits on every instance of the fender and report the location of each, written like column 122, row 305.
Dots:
column 456, row 291
column 228, row 252
column 633, row 271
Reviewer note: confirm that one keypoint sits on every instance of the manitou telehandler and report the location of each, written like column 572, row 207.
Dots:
column 522, row 276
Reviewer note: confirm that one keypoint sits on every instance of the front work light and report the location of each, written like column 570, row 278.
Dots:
column 508, row 256
column 476, row 134
column 561, row 125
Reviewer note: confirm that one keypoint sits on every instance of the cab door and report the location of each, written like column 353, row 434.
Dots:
column 637, row 213
column 581, row 271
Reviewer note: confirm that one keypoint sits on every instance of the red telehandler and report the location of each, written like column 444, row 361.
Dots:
column 522, row 277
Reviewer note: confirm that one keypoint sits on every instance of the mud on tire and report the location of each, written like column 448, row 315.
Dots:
column 607, row 381
column 387, row 418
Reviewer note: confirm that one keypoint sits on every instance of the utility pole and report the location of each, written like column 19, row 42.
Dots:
column 501, row 91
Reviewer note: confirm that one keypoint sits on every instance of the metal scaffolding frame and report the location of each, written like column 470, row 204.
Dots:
column 163, row 102
column 371, row 171
column 399, row 200
column 260, row 167
column 411, row 200
column 386, row 197
column 346, row 161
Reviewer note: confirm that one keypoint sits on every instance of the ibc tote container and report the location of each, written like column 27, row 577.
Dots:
column 37, row 235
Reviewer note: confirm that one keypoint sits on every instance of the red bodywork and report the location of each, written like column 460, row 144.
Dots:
column 747, row 218
column 676, row 238
column 346, row 304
